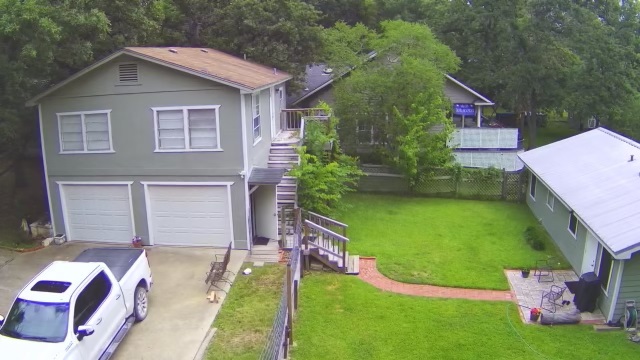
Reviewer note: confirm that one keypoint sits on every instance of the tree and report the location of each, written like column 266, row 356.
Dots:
column 399, row 94
column 324, row 176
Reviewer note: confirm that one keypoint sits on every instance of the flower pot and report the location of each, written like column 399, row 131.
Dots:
column 534, row 317
column 525, row 273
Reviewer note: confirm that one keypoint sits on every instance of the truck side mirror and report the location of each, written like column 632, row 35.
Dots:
column 1, row 320
column 84, row 330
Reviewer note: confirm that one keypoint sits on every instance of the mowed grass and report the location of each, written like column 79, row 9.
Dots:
column 247, row 314
column 447, row 242
column 554, row 131
column 341, row 317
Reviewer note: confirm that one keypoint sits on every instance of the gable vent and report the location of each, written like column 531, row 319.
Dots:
column 128, row 73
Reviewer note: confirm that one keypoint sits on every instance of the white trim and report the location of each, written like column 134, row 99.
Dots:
column 84, row 132
column 253, row 189
column 147, row 205
column 272, row 106
column 46, row 171
column 553, row 200
column 535, row 187
column 186, row 151
column 94, row 182
column 185, row 128
column 65, row 212
column 255, row 100
column 147, row 199
column 33, row 101
column 616, row 289
column 599, row 262
column 245, row 165
column 187, row 183
column 487, row 101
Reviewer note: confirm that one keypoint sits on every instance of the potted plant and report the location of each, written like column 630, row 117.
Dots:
column 525, row 272
column 534, row 314
column 136, row 242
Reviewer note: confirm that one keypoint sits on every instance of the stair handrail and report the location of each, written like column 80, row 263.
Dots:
column 326, row 231
column 333, row 222
column 332, row 234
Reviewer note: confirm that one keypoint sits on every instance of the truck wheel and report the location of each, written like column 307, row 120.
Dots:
column 141, row 304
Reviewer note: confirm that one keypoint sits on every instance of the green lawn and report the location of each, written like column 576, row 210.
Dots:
column 11, row 237
column 554, row 131
column 448, row 242
column 341, row 317
column 247, row 314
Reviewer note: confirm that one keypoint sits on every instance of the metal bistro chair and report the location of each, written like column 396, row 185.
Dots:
column 553, row 295
column 544, row 270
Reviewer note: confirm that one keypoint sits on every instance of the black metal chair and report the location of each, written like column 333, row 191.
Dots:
column 544, row 270
column 554, row 294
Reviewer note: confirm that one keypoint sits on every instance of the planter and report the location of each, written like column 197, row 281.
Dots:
column 525, row 273
column 534, row 317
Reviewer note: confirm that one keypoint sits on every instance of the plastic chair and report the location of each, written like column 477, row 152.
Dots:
column 553, row 295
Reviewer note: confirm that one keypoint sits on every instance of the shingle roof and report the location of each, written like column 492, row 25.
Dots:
column 592, row 173
column 215, row 64
column 206, row 63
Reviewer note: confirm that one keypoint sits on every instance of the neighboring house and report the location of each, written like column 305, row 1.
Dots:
column 476, row 144
column 585, row 190
column 170, row 144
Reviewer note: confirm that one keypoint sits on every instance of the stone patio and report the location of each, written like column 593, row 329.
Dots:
column 528, row 292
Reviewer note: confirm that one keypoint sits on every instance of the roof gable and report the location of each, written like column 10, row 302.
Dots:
column 209, row 64
column 593, row 174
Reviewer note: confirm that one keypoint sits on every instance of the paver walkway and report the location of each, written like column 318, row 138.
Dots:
column 369, row 273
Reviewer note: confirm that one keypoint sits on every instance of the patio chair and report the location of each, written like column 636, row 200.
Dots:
column 552, row 296
column 544, row 270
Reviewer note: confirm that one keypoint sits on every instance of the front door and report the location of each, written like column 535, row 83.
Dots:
column 590, row 253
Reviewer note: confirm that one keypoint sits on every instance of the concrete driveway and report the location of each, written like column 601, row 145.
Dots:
column 180, row 315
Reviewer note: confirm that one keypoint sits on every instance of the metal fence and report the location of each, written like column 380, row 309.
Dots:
column 509, row 186
column 281, row 335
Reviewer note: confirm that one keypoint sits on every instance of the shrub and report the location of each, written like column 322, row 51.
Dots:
column 535, row 236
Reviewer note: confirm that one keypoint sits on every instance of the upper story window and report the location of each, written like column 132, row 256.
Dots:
column 532, row 186
column 551, row 200
column 85, row 132
column 573, row 224
column 187, row 128
column 255, row 109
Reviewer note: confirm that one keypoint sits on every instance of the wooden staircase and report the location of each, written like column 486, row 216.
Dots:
column 325, row 242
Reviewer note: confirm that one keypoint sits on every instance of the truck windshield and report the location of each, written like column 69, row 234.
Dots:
column 37, row 321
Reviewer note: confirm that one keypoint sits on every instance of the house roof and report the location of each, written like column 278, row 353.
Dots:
column 266, row 176
column 206, row 63
column 483, row 100
column 593, row 174
column 316, row 79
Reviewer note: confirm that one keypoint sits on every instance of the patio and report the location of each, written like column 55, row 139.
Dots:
column 528, row 292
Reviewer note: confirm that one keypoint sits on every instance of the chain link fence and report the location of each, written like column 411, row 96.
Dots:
column 468, row 184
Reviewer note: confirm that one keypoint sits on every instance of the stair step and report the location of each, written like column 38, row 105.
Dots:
column 283, row 150
column 286, row 202
column 281, row 164
column 288, row 180
column 278, row 157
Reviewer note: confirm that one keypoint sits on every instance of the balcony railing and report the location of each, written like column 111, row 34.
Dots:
column 484, row 138
column 291, row 119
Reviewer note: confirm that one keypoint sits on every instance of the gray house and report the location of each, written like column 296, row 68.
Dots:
column 170, row 144
column 585, row 190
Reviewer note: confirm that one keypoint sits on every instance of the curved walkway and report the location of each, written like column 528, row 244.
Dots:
column 369, row 273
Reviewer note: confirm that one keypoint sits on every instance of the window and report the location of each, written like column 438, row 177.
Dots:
column 37, row 321
column 573, row 224
column 187, row 128
column 85, row 132
column 90, row 299
column 551, row 200
column 532, row 186
column 255, row 106
column 605, row 264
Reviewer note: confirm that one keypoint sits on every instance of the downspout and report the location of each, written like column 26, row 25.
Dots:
column 46, row 172
column 245, row 166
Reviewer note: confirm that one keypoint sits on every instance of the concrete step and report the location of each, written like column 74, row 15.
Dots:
column 281, row 164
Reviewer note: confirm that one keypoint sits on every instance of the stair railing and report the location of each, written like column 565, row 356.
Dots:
column 326, row 241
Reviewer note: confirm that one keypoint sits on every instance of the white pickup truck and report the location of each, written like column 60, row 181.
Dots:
column 78, row 310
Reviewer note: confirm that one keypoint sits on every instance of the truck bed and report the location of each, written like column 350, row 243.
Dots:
column 118, row 260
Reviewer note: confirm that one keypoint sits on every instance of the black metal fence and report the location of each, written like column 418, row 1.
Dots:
column 281, row 336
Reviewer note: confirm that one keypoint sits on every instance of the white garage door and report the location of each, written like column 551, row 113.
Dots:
column 189, row 215
column 98, row 213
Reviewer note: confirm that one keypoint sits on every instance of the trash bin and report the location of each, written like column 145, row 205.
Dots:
column 587, row 292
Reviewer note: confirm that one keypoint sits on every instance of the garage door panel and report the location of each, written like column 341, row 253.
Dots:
column 98, row 212
column 190, row 215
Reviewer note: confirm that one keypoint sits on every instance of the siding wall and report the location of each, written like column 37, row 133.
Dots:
column 629, row 286
column 556, row 222
column 458, row 94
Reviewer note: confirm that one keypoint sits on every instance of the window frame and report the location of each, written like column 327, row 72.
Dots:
column 88, row 317
column 82, row 114
column 533, row 184
column 573, row 233
column 553, row 200
column 185, row 128
column 601, row 251
column 255, row 114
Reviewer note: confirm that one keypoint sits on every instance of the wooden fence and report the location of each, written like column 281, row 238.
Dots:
column 509, row 186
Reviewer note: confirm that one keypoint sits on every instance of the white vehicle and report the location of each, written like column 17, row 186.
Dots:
column 78, row 310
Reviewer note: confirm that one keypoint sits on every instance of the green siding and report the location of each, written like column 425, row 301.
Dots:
column 556, row 223
column 630, row 284
column 260, row 150
column 457, row 94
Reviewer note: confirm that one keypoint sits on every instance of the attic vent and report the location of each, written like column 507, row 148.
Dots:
column 57, row 287
column 128, row 73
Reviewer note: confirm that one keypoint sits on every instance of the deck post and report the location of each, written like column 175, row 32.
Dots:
column 344, row 256
column 305, row 239
column 504, row 184
column 290, row 303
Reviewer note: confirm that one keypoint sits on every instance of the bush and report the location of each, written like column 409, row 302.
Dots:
column 535, row 237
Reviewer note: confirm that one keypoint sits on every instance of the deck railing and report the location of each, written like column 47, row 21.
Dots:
column 291, row 119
